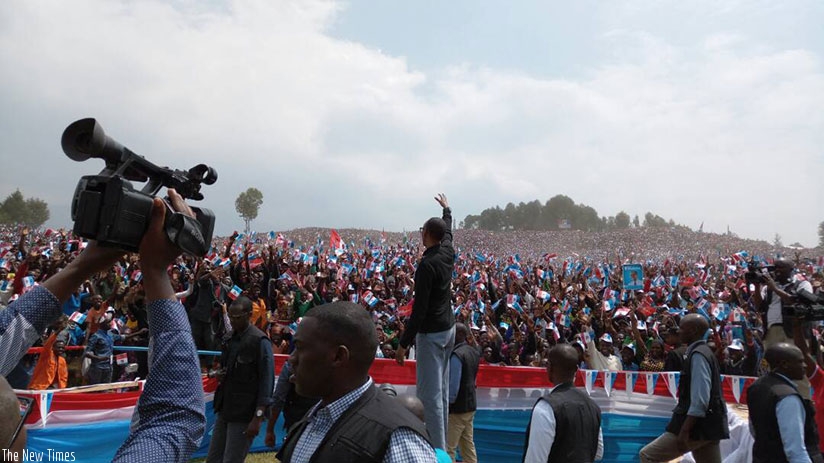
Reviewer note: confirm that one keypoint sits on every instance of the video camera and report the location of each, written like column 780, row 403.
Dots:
column 108, row 209
column 806, row 306
column 755, row 274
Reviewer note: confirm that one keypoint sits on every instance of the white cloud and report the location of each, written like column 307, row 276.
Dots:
column 338, row 133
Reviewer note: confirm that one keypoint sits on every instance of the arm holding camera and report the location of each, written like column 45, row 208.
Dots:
column 169, row 420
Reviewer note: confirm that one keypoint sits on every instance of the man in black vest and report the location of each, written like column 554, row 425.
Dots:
column 463, row 369
column 783, row 423
column 354, row 422
column 699, row 421
column 245, row 390
column 565, row 426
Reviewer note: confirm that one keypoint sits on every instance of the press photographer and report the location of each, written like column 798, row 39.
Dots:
column 774, row 288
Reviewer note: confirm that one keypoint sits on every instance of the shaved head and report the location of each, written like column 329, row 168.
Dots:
column 693, row 327
column 413, row 404
column 563, row 363
column 786, row 359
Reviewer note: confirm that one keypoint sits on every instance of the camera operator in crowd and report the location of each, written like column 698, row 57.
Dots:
column 770, row 297
column 772, row 294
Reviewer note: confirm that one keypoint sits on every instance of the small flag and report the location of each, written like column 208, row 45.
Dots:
column 609, row 381
column 78, row 318
column 370, row 299
column 630, row 378
column 406, row 310
column 737, row 387
column 235, row 292
column 622, row 312
column 672, row 378
column 652, row 380
column 122, row 359
column 335, row 242
column 543, row 295
column 589, row 380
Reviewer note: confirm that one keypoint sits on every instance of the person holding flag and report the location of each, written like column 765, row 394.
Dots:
column 432, row 323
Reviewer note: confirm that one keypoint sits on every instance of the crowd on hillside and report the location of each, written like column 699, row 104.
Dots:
column 520, row 292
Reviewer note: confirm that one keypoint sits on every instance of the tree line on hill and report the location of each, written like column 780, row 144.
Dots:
column 558, row 213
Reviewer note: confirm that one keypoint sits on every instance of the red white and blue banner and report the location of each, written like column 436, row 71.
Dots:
column 94, row 424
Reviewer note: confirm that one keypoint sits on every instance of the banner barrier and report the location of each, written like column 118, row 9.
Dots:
column 94, row 424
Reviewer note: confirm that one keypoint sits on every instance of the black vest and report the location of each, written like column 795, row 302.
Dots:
column 577, row 423
column 714, row 425
column 470, row 357
column 361, row 434
column 237, row 395
column 762, row 398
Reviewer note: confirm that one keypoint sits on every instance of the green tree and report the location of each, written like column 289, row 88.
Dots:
column 37, row 212
column 622, row 220
column 654, row 220
column 247, row 205
column 14, row 208
column 557, row 208
column 471, row 222
column 33, row 212
column 492, row 219
column 635, row 222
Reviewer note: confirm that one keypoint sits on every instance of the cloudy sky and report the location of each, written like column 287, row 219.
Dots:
column 355, row 114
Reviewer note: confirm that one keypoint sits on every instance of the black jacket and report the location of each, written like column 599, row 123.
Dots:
column 432, row 311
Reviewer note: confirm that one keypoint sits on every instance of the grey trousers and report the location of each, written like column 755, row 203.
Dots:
column 432, row 353
column 229, row 444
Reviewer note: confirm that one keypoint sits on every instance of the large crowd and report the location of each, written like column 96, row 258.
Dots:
column 520, row 292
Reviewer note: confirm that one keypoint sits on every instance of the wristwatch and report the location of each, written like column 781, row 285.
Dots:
column 259, row 413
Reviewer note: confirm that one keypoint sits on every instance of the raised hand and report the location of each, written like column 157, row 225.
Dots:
column 441, row 199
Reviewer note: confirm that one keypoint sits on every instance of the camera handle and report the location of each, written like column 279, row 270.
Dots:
column 185, row 232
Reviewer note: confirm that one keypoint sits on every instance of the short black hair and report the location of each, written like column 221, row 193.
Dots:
column 348, row 324
column 436, row 227
column 244, row 303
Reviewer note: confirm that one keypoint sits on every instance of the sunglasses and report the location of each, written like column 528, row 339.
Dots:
column 25, row 410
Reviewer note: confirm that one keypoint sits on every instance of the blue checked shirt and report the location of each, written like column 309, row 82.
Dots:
column 405, row 445
column 22, row 322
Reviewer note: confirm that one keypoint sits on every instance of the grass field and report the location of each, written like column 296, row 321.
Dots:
column 268, row 457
